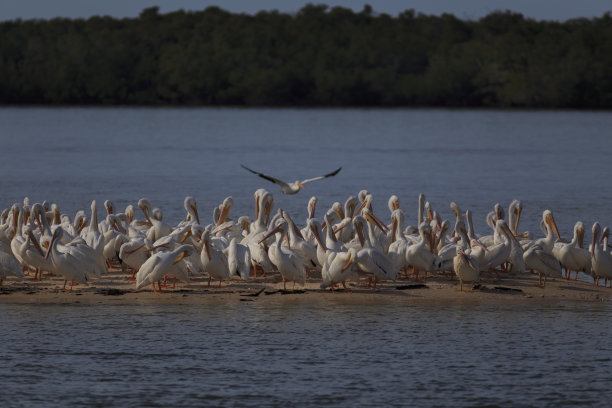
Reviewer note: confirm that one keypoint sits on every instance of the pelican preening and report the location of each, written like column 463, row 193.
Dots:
column 292, row 188
column 347, row 243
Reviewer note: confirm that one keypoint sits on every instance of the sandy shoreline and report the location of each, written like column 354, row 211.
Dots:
column 115, row 289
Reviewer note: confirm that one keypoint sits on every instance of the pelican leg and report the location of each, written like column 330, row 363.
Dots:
column 133, row 277
column 576, row 277
column 165, row 279
column 209, row 279
column 347, row 290
column 460, row 285
column 157, row 292
column 173, row 283
column 293, row 287
column 284, row 284
column 219, row 283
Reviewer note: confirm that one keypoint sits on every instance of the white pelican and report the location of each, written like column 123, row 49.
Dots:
column 573, row 256
column 158, row 228
column 543, row 262
column 369, row 259
column 73, row 265
column 291, row 188
column 133, row 254
column 419, row 255
column 214, row 260
column 399, row 244
column 466, row 268
column 33, row 255
column 499, row 253
column 601, row 261
column 238, row 260
column 306, row 232
column 337, row 269
column 547, row 243
column 302, row 248
column 287, row 262
column 9, row 266
column 161, row 264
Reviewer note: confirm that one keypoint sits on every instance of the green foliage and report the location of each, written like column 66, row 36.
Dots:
column 320, row 56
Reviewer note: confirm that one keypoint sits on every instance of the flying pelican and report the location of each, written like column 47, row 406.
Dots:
column 291, row 188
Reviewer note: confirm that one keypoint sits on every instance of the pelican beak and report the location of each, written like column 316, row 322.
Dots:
column 195, row 211
column 35, row 242
column 348, row 263
column 270, row 233
column 393, row 229
column 516, row 221
column 396, row 205
column 153, row 248
column 135, row 249
column 507, row 229
column 187, row 235
column 469, row 260
column 593, row 243
column 340, row 213
column 180, row 257
column 224, row 212
column 361, row 207
column 480, row 244
column 551, row 221
column 256, row 207
column 340, row 227
column 53, row 238
column 370, row 217
column 315, row 232
column 359, row 228
column 580, row 237
column 299, row 183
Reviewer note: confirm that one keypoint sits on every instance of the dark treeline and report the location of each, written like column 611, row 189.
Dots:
column 319, row 56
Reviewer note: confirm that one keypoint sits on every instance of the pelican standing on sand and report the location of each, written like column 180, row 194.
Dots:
column 291, row 188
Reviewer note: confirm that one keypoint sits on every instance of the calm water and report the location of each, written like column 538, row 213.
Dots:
column 556, row 160
column 247, row 354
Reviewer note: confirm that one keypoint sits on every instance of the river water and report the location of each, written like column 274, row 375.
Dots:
column 249, row 354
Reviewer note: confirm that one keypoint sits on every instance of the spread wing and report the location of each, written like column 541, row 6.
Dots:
column 272, row 179
column 333, row 173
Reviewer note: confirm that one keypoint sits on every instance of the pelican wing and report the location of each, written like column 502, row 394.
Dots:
column 333, row 173
column 269, row 178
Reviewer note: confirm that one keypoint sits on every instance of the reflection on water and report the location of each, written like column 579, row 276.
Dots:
column 344, row 355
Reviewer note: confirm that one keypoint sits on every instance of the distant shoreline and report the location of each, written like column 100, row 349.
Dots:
column 317, row 57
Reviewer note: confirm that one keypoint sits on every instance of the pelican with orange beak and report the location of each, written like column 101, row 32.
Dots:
column 161, row 264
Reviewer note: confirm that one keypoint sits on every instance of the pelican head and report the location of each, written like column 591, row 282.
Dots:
column 393, row 203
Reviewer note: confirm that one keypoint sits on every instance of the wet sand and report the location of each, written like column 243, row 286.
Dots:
column 113, row 288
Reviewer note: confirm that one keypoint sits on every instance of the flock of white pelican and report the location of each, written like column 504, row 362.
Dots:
column 347, row 243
